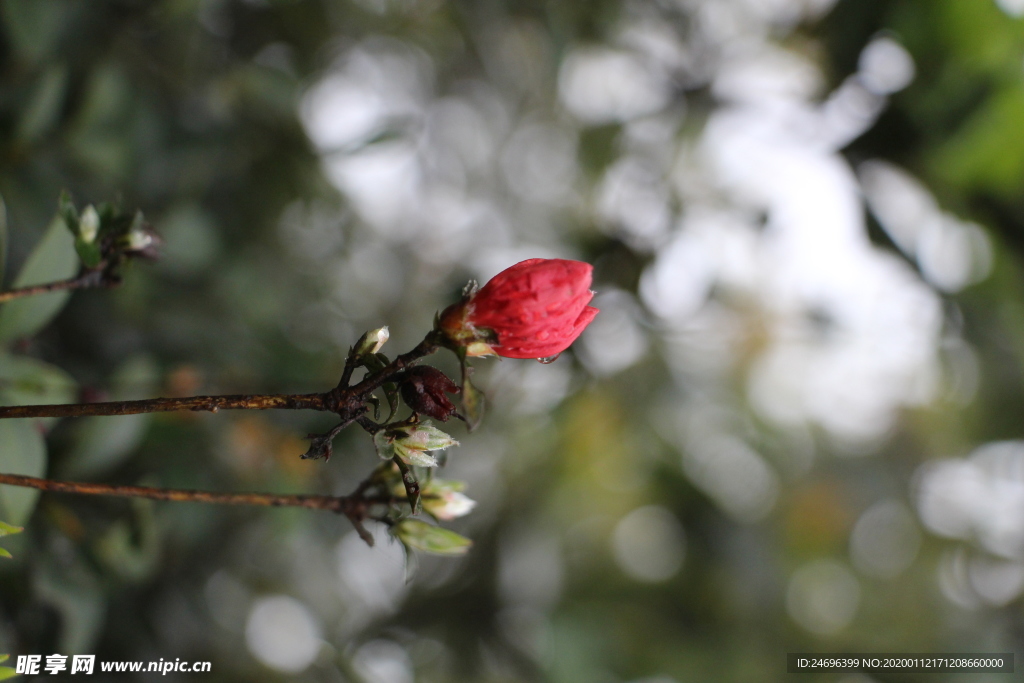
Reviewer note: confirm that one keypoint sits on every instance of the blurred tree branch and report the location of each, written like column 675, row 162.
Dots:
column 355, row 506
column 88, row 279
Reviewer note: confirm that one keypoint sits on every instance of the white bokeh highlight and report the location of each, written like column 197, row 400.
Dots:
column 649, row 544
column 283, row 634
column 823, row 597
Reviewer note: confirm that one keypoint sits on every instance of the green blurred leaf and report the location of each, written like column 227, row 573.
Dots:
column 44, row 104
column 33, row 27
column 988, row 150
column 28, row 381
column 22, row 451
column 101, row 136
column 7, row 672
column 74, row 589
column 102, row 443
column 3, row 238
column 132, row 550
column 8, row 529
column 52, row 259
column 415, row 533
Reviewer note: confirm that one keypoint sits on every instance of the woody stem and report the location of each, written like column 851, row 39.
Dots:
column 347, row 402
column 314, row 502
column 87, row 279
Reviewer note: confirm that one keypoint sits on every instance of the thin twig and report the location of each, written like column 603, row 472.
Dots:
column 347, row 402
column 163, row 405
column 314, row 502
column 88, row 279
column 355, row 506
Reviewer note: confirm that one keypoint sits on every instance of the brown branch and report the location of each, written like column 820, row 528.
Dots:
column 347, row 402
column 88, row 279
column 162, row 405
column 314, row 502
column 356, row 506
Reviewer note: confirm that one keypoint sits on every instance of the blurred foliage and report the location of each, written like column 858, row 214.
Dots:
column 191, row 110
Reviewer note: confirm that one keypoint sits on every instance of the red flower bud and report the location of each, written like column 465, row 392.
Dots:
column 423, row 390
column 535, row 309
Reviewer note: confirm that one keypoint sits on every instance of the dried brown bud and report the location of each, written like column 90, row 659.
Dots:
column 424, row 389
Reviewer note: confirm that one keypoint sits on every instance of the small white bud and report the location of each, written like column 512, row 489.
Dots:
column 139, row 240
column 89, row 224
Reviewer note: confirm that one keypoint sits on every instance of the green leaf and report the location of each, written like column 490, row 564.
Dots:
column 74, row 589
column 8, row 529
column 415, row 533
column 27, row 381
column 44, row 104
column 34, row 28
column 7, row 672
column 22, row 451
column 132, row 551
column 3, row 238
column 53, row 259
column 101, row 443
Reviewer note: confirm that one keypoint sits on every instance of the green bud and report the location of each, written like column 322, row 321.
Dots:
column 414, row 533
column 372, row 341
column 445, row 500
column 412, row 443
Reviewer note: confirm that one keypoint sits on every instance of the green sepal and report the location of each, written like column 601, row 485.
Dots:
column 473, row 403
column 375, row 402
column 67, row 212
column 419, row 535
column 391, row 392
column 88, row 252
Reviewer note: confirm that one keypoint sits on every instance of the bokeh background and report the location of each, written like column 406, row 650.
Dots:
column 796, row 424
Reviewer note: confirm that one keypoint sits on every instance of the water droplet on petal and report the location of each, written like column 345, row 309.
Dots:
column 549, row 359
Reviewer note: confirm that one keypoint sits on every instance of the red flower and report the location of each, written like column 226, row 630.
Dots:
column 535, row 309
